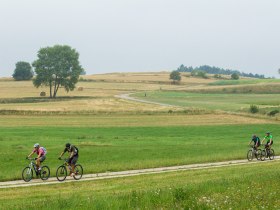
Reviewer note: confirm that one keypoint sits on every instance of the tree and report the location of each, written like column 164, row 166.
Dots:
column 56, row 67
column 23, row 71
column 235, row 76
column 175, row 76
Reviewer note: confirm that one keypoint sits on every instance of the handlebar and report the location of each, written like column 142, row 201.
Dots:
column 27, row 158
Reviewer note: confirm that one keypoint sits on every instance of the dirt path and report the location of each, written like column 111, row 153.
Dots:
column 128, row 97
column 109, row 175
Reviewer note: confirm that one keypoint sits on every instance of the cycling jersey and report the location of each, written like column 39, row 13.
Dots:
column 268, row 138
column 40, row 150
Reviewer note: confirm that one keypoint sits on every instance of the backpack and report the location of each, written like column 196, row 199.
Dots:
column 45, row 150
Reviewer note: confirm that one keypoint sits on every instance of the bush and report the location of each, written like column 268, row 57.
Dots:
column 273, row 112
column 254, row 109
column 235, row 76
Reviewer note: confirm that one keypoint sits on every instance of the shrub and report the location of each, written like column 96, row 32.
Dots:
column 273, row 112
column 254, row 109
column 235, row 76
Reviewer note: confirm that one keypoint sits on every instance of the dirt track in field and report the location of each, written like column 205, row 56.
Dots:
column 110, row 175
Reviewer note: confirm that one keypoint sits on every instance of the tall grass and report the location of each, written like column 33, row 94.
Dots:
column 235, row 187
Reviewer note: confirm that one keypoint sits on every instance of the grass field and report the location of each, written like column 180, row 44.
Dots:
column 234, row 187
column 122, row 148
column 114, row 134
column 227, row 102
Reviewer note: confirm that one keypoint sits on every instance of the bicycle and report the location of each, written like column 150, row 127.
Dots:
column 61, row 172
column 267, row 152
column 27, row 172
column 253, row 152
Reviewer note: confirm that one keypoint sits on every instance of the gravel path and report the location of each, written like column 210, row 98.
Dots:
column 109, row 175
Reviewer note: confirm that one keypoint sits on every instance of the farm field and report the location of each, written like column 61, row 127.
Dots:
column 115, row 134
column 109, row 148
column 220, row 188
column 226, row 102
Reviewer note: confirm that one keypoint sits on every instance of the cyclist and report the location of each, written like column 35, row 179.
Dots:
column 256, row 140
column 73, row 157
column 41, row 152
column 269, row 140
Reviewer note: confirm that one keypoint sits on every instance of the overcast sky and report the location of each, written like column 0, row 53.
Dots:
column 145, row 35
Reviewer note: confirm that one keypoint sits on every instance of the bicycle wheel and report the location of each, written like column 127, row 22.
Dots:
column 27, row 174
column 78, row 172
column 250, row 155
column 45, row 173
column 258, row 154
column 263, row 154
column 271, row 154
column 61, row 173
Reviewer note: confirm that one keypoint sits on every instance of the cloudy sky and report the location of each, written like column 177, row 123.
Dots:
column 145, row 35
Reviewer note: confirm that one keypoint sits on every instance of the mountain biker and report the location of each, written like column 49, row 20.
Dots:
column 73, row 157
column 269, row 140
column 41, row 152
column 256, row 140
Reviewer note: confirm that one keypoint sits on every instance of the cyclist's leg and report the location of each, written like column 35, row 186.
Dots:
column 73, row 162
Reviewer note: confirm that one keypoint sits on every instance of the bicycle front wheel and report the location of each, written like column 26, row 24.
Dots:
column 45, row 173
column 263, row 155
column 250, row 155
column 271, row 154
column 61, row 173
column 78, row 170
column 27, row 174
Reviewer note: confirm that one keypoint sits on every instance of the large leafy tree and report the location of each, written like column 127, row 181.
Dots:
column 175, row 76
column 56, row 67
column 23, row 71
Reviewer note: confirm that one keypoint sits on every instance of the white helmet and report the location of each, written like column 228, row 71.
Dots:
column 36, row 145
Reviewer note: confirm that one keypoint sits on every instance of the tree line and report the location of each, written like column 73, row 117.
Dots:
column 217, row 70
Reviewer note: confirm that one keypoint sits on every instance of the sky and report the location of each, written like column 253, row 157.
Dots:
column 144, row 35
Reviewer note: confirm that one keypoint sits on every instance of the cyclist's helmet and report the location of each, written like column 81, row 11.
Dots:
column 36, row 145
column 67, row 145
column 268, row 133
column 254, row 136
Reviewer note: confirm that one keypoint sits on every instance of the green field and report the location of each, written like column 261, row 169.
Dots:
column 122, row 148
column 244, row 81
column 226, row 102
column 114, row 134
column 234, row 187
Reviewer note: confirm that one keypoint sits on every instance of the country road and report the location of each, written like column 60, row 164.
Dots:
column 110, row 175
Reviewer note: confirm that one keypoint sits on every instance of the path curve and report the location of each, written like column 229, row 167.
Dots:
column 110, row 175
column 127, row 96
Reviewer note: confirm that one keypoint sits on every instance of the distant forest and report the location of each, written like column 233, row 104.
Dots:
column 217, row 70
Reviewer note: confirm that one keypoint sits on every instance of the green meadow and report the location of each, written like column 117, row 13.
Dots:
column 233, row 187
column 123, row 148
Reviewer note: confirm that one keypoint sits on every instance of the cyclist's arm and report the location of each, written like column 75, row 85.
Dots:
column 30, row 154
column 270, row 140
column 262, row 140
column 250, row 142
column 61, row 154
column 39, row 155
column 72, row 154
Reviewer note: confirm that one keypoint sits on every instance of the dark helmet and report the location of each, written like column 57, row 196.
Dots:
column 67, row 145
column 254, row 136
column 268, row 133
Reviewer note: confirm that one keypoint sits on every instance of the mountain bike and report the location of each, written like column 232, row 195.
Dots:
column 27, row 172
column 253, row 152
column 61, row 172
column 267, row 152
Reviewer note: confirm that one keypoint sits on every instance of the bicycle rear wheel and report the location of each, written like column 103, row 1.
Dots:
column 27, row 174
column 259, row 154
column 61, row 173
column 250, row 155
column 271, row 154
column 45, row 173
column 78, row 172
